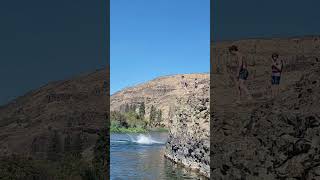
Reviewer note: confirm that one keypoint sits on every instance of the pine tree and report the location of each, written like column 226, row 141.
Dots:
column 152, row 115
column 142, row 110
column 127, row 108
column 133, row 108
column 159, row 117
column 123, row 121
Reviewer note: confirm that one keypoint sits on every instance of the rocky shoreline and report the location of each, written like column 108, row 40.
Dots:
column 202, row 175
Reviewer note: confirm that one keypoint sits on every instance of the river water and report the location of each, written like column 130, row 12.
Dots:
column 141, row 156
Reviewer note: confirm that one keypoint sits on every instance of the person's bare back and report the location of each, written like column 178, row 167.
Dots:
column 242, row 73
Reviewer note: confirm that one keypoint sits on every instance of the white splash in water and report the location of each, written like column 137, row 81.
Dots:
column 143, row 139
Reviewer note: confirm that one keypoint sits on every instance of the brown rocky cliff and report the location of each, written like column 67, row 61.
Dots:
column 267, row 138
column 161, row 93
column 189, row 136
column 185, row 112
column 74, row 108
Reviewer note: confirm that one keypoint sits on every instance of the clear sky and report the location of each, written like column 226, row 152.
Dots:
column 235, row 19
column 42, row 41
column 151, row 38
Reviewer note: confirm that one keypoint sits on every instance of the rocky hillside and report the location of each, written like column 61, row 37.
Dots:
column 297, row 53
column 189, row 135
column 58, row 117
column 161, row 93
column 267, row 138
column 185, row 112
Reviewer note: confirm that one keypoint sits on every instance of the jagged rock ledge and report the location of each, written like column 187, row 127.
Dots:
column 189, row 136
column 204, row 175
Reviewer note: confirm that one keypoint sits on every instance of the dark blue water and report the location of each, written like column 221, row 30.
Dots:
column 141, row 156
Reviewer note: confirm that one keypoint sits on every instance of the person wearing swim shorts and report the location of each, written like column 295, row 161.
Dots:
column 242, row 73
column 276, row 68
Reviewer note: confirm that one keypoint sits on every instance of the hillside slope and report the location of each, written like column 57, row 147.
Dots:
column 161, row 93
column 58, row 114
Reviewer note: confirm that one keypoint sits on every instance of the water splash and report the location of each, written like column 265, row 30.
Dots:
column 144, row 139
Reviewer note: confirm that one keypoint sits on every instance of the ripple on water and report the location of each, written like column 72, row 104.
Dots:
column 141, row 156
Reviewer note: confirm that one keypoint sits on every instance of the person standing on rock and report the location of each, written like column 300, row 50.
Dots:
column 195, row 83
column 184, row 83
column 242, row 73
column 276, row 68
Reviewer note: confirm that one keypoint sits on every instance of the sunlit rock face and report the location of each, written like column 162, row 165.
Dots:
column 189, row 137
column 184, row 101
column 161, row 93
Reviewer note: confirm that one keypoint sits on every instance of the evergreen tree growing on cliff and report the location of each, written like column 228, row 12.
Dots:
column 126, row 108
column 159, row 117
column 133, row 108
column 153, row 114
column 118, row 116
column 142, row 110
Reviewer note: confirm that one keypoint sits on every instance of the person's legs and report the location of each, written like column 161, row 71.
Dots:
column 278, row 85
column 245, row 89
column 273, row 86
column 238, row 84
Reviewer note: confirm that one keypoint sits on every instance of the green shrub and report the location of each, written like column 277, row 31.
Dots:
column 127, row 122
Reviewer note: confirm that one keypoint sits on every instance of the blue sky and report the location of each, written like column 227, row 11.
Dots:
column 235, row 19
column 43, row 41
column 154, row 38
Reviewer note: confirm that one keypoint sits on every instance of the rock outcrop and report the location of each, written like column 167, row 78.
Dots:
column 160, row 92
column 189, row 137
column 185, row 112
column 268, row 138
column 64, row 115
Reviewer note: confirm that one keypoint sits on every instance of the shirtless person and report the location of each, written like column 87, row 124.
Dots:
column 276, row 68
column 242, row 73
column 184, row 83
column 196, row 83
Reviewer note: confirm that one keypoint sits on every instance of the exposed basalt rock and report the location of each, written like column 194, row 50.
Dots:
column 269, row 138
column 189, row 142
column 160, row 92
column 185, row 112
column 74, row 109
